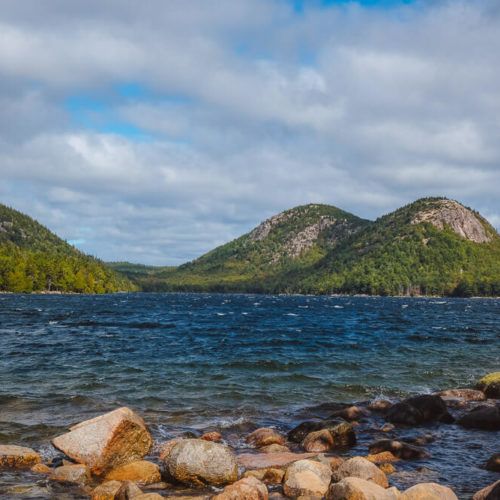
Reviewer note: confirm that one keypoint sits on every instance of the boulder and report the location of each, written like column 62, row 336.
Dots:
column 128, row 490
column 355, row 488
column 380, row 405
column 77, row 474
column 149, row 496
column 248, row 488
column 214, row 436
column 267, row 476
column 106, row 442
column 490, row 385
column 387, row 427
column 428, row 491
column 140, row 471
column 338, row 436
column 106, row 491
column 482, row 417
column 491, row 492
column 493, row 463
column 264, row 437
column 199, row 463
column 307, row 478
column 18, row 457
column 41, row 469
column 463, row 394
column 274, row 448
column 166, row 447
column 362, row 468
column 387, row 468
column 399, row 449
column 350, row 413
column 333, row 461
column 384, row 457
column 419, row 410
column 297, row 434
column 270, row 460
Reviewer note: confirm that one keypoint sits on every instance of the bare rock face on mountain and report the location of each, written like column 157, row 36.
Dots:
column 464, row 222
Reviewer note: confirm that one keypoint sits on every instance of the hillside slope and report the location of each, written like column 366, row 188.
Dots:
column 433, row 246
column 32, row 258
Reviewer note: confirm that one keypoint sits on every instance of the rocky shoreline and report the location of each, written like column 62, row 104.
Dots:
column 113, row 456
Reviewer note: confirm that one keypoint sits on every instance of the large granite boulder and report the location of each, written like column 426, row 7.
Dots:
column 307, row 479
column 490, row 385
column 491, row 492
column 139, row 471
column 355, row 488
column 428, row 491
column 337, row 436
column 106, row 442
column 482, row 417
column 18, row 457
column 265, row 437
column 399, row 449
column 419, row 410
column 248, row 488
column 200, row 463
column 362, row 468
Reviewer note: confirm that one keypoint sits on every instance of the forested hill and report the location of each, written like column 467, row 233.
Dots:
column 32, row 258
column 433, row 246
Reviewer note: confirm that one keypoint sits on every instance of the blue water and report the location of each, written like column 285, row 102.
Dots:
column 192, row 362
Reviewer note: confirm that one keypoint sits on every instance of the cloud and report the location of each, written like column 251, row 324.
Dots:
column 153, row 132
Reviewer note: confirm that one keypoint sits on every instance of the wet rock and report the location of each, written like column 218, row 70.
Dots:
column 105, row 442
column 491, row 492
column 297, row 434
column 264, row 437
column 140, row 471
column 380, row 405
column 387, row 468
column 200, row 463
column 490, row 385
column 149, row 496
column 77, row 474
column 428, row 491
column 418, row 410
column 128, row 490
column 350, row 413
column 270, row 460
column 41, row 469
column 355, row 488
column 267, row 476
column 274, row 448
column 106, row 491
column 307, row 478
column 362, row 468
column 420, row 440
column 482, row 417
column 493, row 463
column 214, row 436
column 166, row 447
column 18, row 457
column 248, row 488
column 462, row 394
column 387, row 427
column 399, row 449
column 382, row 458
column 338, row 436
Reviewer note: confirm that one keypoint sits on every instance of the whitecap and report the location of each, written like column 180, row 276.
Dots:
column 338, row 307
column 291, row 314
column 221, row 314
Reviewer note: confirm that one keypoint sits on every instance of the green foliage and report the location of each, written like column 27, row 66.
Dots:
column 391, row 256
column 34, row 259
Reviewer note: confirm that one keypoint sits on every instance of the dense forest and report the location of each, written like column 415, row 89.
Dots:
column 34, row 259
column 417, row 250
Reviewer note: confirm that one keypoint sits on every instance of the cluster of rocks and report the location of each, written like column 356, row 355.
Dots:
column 105, row 456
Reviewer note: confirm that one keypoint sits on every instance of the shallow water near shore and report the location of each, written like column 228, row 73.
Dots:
column 234, row 362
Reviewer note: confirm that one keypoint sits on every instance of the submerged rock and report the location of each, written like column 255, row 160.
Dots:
column 350, row 413
column 491, row 492
column 399, row 449
column 418, row 410
column 307, row 478
column 355, row 488
column 265, row 437
column 18, row 457
column 483, row 417
column 77, row 474
column 200, row 463
column 493, row 463
column 105, row 442
column 248, row 488
column 380, row 405
column 140, row 471
column 428, row 491
column 337, row 436
column 490, row 385
column 362, row 468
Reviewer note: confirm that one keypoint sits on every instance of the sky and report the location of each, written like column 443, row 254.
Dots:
column 154, row 131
